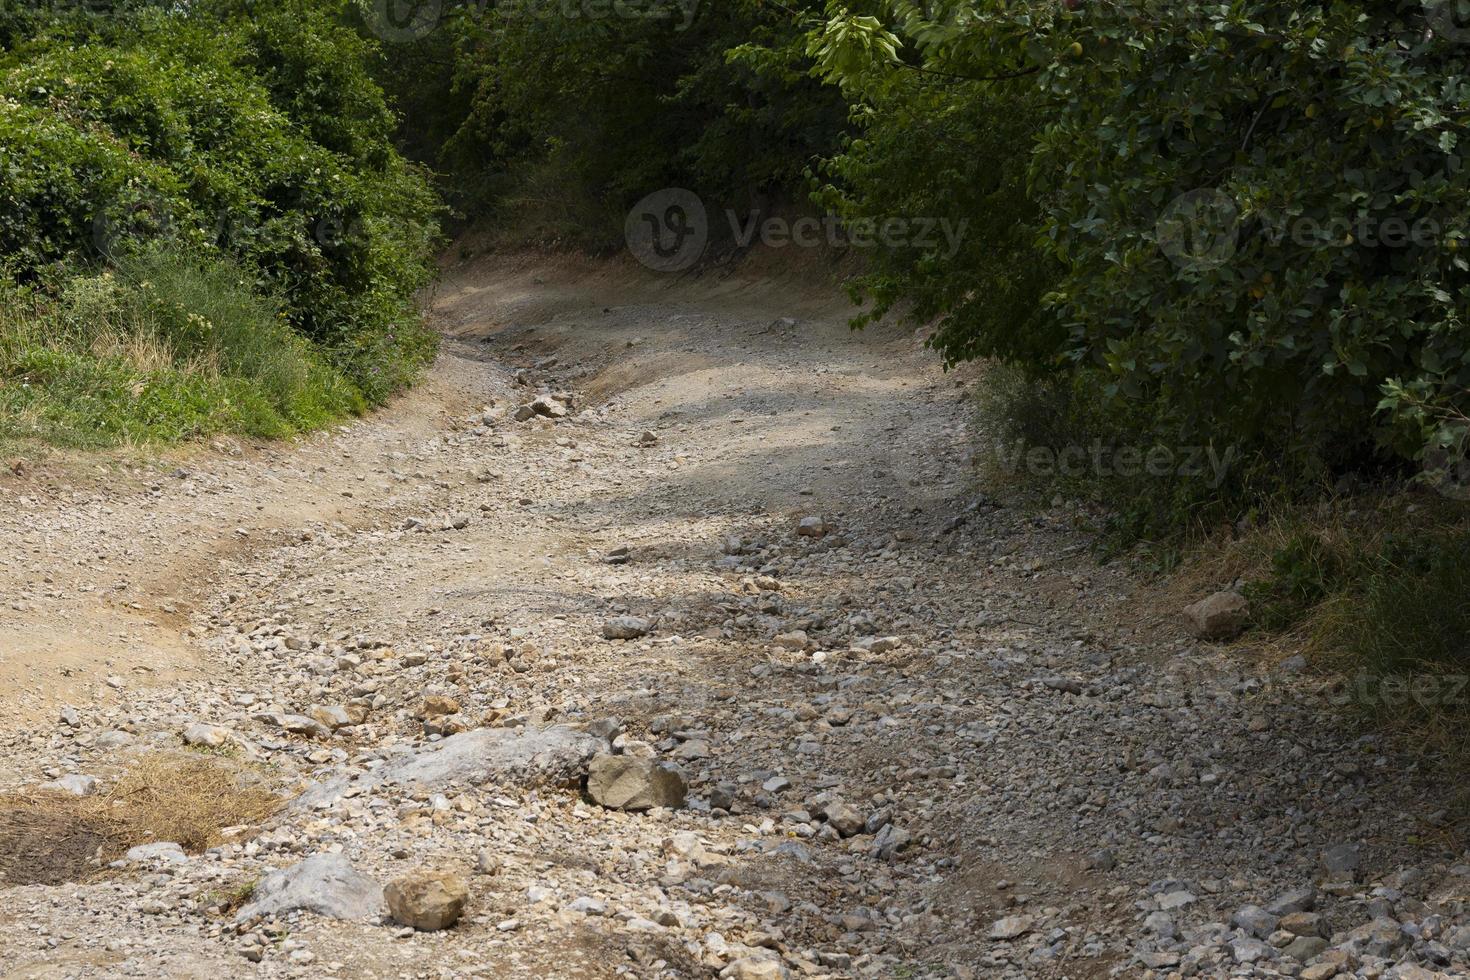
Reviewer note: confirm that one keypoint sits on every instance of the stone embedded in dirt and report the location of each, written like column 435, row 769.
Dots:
column 1011, row 927
column 1304, row 948
column 1177, row 899
column 546, row 406
column 723, row 796
column 70, row 717
column 558, row 756
column 73, row 785
column 1341, row 860
column 1302, row 923
column 626, row 628
column 889, row 841
column 326, row 884
column 812, row 527
column 1222, row 616
column 427, row 901
column 620, row 782
column 1247, row 950
column 1255, row 920
column 437, row 705
column 332, row 716
column 877, row 644
column 795, row 640
column 295, row 724
column 647, row 440
column 845, row 819
column 733, row 544
column 1296, row 900
column 115, row 740
column 207, row 736
column 693, row 750
column 487, row 862
column 586, row 905
column 756, row 967
column 161, row 852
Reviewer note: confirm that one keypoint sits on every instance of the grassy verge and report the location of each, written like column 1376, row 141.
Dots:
column 1372, row 589
column 163, row 348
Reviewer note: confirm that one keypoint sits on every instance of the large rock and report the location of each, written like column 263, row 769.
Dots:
column 556, row 756
column 206, row 736
column 74, row 785
column 427, row 901
column 326, row 884
column 626, row 628
column 1011, row 927
column 813, row 527
column 1222, row 616
column 295, row 724
column 622, row 782
column 761, row 966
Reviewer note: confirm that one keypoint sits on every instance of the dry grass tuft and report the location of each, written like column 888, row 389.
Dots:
column 49, row 837
column 187, row 799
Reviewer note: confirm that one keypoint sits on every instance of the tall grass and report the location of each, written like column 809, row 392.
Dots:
column 164, row 347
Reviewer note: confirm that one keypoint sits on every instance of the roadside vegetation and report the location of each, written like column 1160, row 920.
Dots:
column 204, row 224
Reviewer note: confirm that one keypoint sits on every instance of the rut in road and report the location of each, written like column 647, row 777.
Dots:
column 923, row 732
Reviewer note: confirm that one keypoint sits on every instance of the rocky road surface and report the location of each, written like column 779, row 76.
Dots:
column 666, row 632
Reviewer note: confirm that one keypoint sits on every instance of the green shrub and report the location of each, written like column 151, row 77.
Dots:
column 262, row 138
column 167, row 347
column 955, row 155
column 556, row 123
column 1204, row 176
column 1304, row 572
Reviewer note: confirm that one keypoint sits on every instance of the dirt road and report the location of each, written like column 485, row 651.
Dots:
column 923, row 733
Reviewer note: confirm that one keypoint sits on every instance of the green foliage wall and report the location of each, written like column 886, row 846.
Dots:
column 261, row 137
column 1251, row 216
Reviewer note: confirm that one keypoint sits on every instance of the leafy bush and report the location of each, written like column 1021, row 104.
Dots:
column 555, row 122
column 261, row 138
column 954, row 155
column 1254, row 210
column 164, row 348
